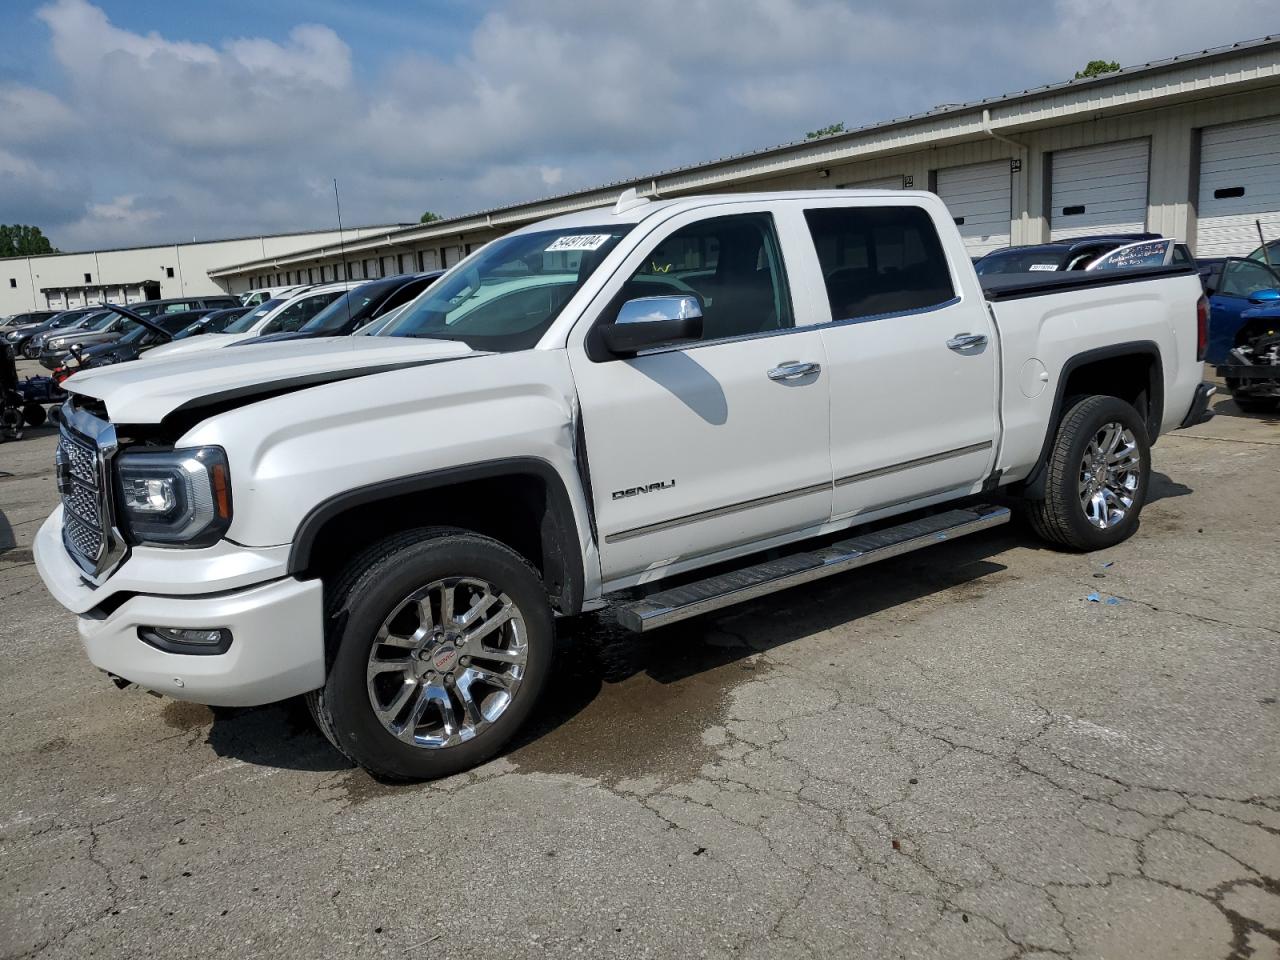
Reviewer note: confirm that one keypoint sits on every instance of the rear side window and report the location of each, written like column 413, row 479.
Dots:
column 879, row 260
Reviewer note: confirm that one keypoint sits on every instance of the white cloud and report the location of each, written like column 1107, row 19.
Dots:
column 149, row 137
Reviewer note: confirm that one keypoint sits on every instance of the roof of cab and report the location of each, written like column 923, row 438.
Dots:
column 605, row 215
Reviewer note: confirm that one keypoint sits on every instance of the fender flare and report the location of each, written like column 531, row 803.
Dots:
column 1033, row 484
column 559, row 526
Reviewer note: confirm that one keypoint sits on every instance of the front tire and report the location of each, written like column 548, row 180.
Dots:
column 1098, row 472
column 441, row 643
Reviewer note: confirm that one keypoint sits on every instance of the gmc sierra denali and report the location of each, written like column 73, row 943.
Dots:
column 590, row 412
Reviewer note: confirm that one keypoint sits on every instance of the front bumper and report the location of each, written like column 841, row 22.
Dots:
column 1199, row 412
column 277, row 629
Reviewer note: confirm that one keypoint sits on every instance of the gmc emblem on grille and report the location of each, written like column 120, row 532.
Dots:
column 643, row 488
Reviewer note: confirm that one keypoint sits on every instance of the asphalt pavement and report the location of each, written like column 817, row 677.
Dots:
column 985, row 749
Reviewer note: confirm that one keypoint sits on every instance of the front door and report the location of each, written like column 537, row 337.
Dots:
column 913, row 364
column 714, row 445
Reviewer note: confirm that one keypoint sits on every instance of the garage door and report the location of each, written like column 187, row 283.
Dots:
column 1099, row 190
column 883, row 183
column 980, row 199
column 1239, row 184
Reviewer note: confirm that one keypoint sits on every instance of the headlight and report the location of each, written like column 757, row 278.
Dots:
column 178, row 497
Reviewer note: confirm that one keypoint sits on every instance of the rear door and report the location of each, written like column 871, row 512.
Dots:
column 716, row 445
column 912, row 358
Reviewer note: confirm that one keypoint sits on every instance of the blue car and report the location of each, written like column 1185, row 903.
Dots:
column 1244, row 330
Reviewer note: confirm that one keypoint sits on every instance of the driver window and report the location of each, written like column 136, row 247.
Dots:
column 733, row 265
column 1243, row 278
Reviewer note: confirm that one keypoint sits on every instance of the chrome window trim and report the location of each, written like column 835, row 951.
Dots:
column 914, row 311
column 917, row 462
column 715, row 512
column 784, row 331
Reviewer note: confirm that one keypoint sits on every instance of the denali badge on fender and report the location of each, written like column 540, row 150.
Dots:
column 643, row 488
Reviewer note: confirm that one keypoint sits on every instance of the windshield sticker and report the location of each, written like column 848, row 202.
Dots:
column 1043, row 266
column 584, row 241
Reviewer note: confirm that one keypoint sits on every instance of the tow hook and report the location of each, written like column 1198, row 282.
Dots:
column 120, row 682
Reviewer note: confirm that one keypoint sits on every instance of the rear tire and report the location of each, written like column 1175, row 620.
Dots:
column 1097, row 476
column 417, row 689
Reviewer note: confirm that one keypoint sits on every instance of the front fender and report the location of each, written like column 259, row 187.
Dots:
column 291, row 454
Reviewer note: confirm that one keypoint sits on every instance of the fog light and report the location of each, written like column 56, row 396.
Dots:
column 188, row 640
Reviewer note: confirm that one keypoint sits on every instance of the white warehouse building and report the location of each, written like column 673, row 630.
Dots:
column 1187, row 147
column 62, row 280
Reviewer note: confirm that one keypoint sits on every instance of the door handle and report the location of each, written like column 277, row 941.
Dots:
column 963, row 341
column 794, row 370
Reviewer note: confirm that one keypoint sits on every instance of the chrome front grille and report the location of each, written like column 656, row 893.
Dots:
column 85, row 445
column 83, row 541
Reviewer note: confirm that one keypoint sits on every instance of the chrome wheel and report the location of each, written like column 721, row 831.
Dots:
column 447, row 662
column 1109, row 475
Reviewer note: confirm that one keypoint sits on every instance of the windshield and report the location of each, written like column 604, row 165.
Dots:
column 253, row 316
column 1020, row 261
column 1270, row 253
column 507, row 296
column 352, row 305
column 101, row 321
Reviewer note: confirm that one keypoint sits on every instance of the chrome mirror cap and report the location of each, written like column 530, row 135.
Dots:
column 658, row 309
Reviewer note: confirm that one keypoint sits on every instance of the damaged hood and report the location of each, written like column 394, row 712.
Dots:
column 147, row 392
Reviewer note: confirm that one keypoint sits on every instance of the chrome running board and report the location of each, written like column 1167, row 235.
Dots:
column 726, row 589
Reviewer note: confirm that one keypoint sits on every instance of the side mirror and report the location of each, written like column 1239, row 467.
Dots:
column 1264, row 296
column 651, row 322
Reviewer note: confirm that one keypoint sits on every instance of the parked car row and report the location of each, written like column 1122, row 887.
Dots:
column 320, row 310
column 1243, row 297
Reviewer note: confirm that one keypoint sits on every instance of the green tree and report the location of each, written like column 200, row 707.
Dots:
column 430, row 217
column 825, row 131
column 20, row 240
column 1096, row 68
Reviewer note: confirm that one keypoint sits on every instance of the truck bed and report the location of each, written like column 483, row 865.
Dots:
column 1014, row 286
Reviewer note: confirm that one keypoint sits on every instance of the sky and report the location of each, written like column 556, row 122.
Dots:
column 128, row 122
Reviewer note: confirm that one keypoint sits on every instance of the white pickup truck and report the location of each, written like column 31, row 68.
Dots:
column 591, row 411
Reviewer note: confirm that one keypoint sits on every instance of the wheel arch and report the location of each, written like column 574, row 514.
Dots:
column 1135, row 367
column 520, row 501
